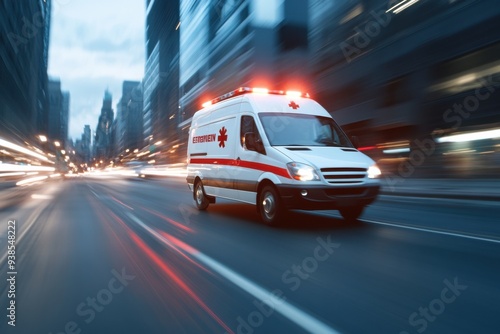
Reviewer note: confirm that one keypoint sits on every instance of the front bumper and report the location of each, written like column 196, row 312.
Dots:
column 327, row 198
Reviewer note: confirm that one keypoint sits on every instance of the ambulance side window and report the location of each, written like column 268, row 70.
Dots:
column 248, row 125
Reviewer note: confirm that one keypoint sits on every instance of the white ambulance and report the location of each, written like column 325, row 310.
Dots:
column 277, row 150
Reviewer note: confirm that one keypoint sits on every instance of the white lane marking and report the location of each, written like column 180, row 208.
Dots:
column 93, row 191
column 293, row 313
column 103, row 197
column 41, row 196
column 95, row 194
column 29, row 223
column 432, row 231
column 421, row 229
column 450, row 201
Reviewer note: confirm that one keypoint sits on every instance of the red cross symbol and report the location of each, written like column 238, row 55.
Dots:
column 222, row 137
column 294, row 105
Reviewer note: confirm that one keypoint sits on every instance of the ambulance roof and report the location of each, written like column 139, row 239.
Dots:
column 260, row 100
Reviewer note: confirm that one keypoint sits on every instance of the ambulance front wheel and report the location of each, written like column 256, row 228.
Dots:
column 270, row 207
column 200, row 197
column 351, row 213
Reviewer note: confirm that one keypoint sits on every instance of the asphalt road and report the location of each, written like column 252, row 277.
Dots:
column 135, row 256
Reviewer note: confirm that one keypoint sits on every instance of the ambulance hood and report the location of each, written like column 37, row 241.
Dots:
column 326, row 157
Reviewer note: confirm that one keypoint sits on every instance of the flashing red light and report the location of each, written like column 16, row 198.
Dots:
column 245, row 90
column 260, row 90
column 293, row 93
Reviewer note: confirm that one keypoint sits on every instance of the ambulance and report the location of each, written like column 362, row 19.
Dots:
column 278, row 150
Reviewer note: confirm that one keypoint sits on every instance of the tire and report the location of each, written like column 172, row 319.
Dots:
column 200, row 197
column 351, row 213
column 269, row 206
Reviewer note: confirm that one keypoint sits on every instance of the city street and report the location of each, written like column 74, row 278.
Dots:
column 113, row 255
column 136, row 136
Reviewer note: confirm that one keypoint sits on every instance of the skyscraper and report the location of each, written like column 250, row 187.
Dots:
column 161, row 78
column 65, row 115
column 23, row 69
column 86, row 142
column 58, row 113
column 103, row 133
column 129, row 132
column 228, row 44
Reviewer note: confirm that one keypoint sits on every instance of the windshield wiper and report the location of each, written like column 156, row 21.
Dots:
column 328, row 142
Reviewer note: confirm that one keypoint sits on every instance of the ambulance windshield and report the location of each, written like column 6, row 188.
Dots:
column 286, row 129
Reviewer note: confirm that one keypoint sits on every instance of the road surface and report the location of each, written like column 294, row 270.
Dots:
column 110, row 255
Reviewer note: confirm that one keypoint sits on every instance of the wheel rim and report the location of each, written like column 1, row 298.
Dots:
column 199, row 195
column 269, row 205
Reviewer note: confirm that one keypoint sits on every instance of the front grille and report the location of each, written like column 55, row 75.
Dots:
column 335, row 192
column 347, row 175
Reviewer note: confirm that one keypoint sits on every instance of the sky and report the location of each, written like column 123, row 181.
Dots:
column 95, row 45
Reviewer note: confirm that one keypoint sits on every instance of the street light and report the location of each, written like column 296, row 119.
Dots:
column 57, row 143
column 42, row 138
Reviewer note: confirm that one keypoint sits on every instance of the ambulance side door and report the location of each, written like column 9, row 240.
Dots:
column 249, row 162
column 219, row 181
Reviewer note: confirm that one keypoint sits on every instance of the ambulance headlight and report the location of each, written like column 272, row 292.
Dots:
column 302, row 172
column 374, row 172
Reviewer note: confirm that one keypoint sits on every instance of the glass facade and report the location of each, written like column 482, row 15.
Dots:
column 228, row 44
column 394, row 72
column 151, row 80
column 24, row 97
column 161, row 80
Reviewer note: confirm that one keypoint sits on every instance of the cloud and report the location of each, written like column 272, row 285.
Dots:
column 95, row 45
column 85, row 107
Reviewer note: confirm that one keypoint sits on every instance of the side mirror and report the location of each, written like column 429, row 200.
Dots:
column 355, row 141
column 253, row 143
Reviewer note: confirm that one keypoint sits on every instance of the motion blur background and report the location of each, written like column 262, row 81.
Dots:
column 416, row 81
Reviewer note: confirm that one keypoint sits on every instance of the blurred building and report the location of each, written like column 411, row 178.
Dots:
column 129, row 116
column 24, row 40
column 65, row 115
column 161, row 78
column 113, row 140
column 103, row 149
column 228, row 44
column 58, row 115
column 86, row 143
column 395, row 72
column 196, row 50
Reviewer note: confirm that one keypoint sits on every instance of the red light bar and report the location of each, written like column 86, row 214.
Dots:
column 260, row 90
column 293, row 93
column 247, row 90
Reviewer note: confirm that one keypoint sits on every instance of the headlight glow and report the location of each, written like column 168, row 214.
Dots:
column 302, row 172
column 374, row 172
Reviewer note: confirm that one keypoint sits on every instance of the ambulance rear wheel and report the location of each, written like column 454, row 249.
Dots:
column 200, row 197
column 269, row 205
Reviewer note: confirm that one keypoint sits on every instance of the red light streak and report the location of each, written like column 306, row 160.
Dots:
column 169, row 220
column 170, row 273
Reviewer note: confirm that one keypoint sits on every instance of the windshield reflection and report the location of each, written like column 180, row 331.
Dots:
column 285, row 129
